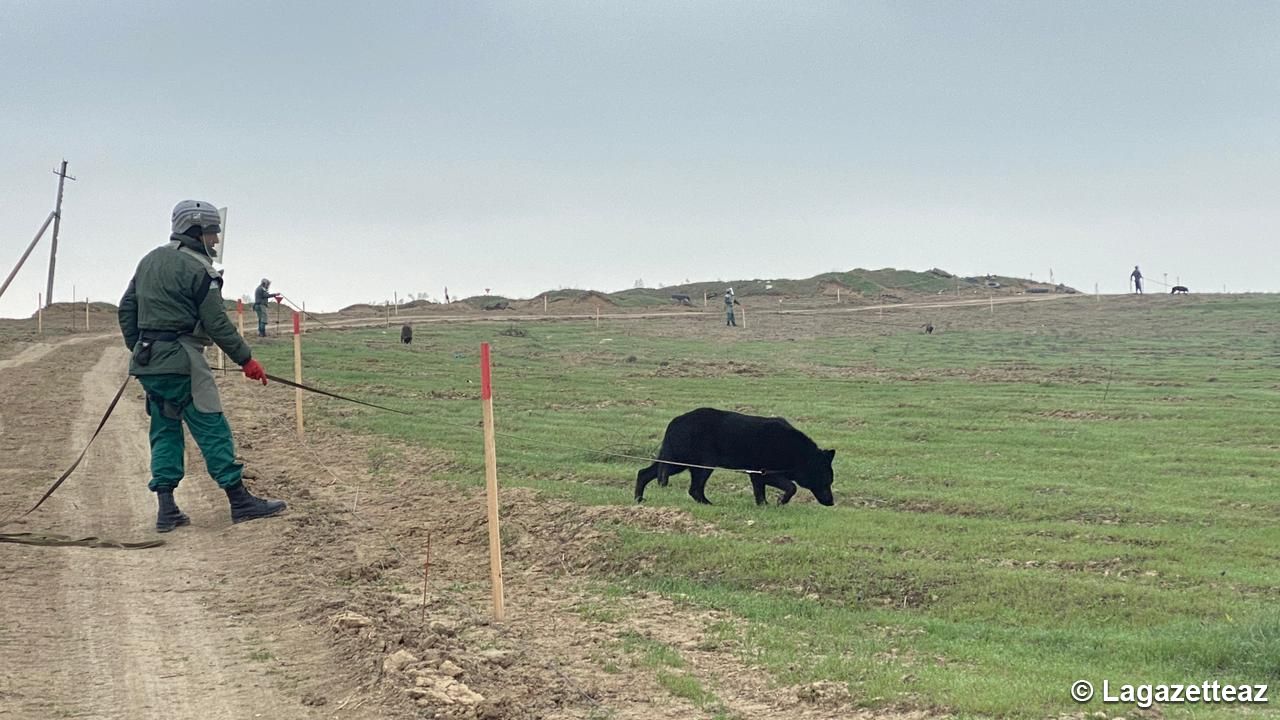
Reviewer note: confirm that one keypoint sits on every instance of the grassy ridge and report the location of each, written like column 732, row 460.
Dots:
column 1067, row 490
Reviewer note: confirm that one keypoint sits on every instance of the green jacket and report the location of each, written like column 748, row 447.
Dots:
column 176, row 289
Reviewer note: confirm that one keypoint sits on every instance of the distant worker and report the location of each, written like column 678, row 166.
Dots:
column 1136, row 276
column 729, row 302
column 171, row 311
column 260, row 299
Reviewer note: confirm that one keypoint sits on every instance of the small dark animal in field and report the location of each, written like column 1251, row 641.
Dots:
column 681, row 299
column 1179, row 289
column 928, row 328
column 500, row 305
column 724, row 439
column 406, row 334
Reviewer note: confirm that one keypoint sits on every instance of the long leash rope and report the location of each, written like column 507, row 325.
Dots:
column 511, row 436
column 49, row 539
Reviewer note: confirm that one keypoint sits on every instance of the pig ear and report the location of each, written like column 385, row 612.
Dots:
column 831, row 454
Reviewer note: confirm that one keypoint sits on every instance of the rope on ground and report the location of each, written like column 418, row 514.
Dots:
column 52, row 540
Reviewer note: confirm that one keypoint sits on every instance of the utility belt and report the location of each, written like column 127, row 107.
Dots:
column 149, row 338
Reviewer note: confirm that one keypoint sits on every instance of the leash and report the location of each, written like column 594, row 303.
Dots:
column 51, row 540
column 294, row 305
column 517, row 438
column 57, row 483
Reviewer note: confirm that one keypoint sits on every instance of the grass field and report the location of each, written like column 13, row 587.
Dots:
column 1032, row 495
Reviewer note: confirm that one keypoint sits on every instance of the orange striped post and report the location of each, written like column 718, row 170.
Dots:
column 297, row 369
column 491, row 483
column 240, row 316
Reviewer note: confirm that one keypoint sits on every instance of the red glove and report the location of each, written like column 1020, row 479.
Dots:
column 253, row 370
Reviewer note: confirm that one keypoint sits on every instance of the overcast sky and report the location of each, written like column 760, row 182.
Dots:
column 366, row 148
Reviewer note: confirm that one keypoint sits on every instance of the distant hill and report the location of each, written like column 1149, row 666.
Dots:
column 874, row 285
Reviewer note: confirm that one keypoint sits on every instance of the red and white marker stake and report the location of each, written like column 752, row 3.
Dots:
column 491, row 484
column 297, row 368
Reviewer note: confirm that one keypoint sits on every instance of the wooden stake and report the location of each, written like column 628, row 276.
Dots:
column 23, row 259
column 992, row 299
column 297, row 368
column 491, row 484
column 597, row 317
column 742, row 313
column 426, row 571
column 388, row 309
column 837, row 295
column 704, row 298
column 544, row 304
column 240, row 316
column 396, row 295
column 40, row 313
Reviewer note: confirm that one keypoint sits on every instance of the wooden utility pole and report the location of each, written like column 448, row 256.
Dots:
column 23, row 259
column 57, row 220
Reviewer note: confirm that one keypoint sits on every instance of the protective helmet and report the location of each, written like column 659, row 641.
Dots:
column 266, row 282
column 196, row 213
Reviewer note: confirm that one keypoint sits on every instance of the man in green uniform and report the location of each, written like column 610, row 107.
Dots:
column 729, row 302
column 171, row 312
column 260, row 298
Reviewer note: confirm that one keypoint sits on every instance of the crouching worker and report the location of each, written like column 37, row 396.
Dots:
column 171, row 312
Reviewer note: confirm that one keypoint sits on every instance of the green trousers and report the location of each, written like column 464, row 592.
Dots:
column 168, row 445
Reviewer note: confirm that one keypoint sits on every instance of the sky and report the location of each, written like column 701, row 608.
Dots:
column 379, row 148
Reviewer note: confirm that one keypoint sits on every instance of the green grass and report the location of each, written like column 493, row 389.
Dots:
column 1033, row 495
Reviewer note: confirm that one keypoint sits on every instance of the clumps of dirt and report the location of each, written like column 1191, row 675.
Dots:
column 1010, row 373
column 824, row 693
column 1113, row 567
column 601, row 404
column 703, row 369
column 918, row 505
column 1076, row 415
column 566, row 536
column 429, row 658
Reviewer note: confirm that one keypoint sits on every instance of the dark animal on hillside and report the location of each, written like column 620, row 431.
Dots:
column 500, row 305
column 928, row 328
column 681, row 299
column 1179, row 289
column 723, row 439
column 406, row 334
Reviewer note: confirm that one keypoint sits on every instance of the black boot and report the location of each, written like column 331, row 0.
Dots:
column 244, row 506
column 169, row 516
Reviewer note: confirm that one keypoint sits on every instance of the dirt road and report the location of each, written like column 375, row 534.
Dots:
column 113, row 633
